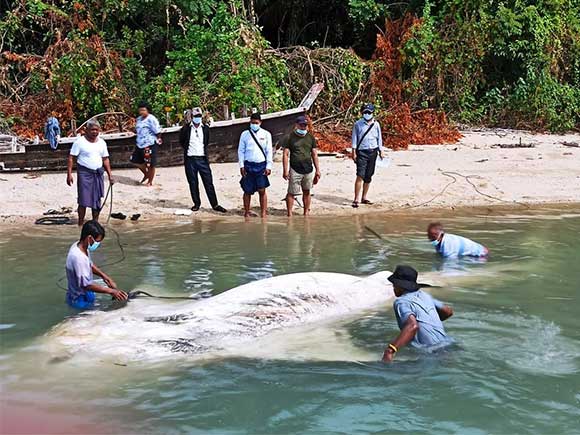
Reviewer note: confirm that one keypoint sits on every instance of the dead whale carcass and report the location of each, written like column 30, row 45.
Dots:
column 231, row 323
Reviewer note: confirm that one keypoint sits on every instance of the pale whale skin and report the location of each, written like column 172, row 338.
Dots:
column 148, row 329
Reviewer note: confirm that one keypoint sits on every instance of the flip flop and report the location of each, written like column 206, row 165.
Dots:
column 355, row 204
column 119, row 216
column 135, row 217
column 366, row 201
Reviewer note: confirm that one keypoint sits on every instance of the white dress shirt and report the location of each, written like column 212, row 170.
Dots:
column 196, row 141
column 248, row 149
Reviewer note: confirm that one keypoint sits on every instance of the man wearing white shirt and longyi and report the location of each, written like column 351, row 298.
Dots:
column 255, row 160
column 194, row 139
column 92, row 158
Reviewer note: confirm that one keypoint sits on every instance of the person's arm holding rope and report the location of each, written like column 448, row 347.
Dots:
column 107, row 166
column 115, row 293
column 111, row 288
column 108, row 280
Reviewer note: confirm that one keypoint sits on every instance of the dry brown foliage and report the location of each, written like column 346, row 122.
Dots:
column 401, row 123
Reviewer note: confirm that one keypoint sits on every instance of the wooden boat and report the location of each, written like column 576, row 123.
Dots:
column 15, row 156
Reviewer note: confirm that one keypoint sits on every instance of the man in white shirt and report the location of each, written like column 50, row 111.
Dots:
column 92, row 158
column 194, row 139
column 255, row 160
column 80, row 270
column 452, row 246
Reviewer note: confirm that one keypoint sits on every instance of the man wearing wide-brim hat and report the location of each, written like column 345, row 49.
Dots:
column 420, row 316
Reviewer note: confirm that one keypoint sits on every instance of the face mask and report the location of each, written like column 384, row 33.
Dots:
column 255, row 127
column 367, row 116
column 197, row 119
column 93, row 247
column 435, row 242
column 300, row 132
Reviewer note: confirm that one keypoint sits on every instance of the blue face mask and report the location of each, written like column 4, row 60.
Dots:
column 255, row 127
column 93, row 247
column 435, row 242
column 197, row 119
column 300, row 132
column 367, row 116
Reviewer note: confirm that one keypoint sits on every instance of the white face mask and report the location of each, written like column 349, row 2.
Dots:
column 367, row 116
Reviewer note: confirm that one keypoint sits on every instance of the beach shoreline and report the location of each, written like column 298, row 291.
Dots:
column 486, row 168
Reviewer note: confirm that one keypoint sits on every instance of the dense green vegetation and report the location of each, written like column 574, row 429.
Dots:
column 501, row 63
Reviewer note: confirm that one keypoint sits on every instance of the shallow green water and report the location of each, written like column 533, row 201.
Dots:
column 517, row 369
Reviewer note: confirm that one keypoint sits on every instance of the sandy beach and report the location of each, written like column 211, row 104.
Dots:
column 477, row 171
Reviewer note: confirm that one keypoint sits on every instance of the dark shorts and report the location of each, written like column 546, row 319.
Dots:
column 255, row 178
column 365, row 164
column 139, row 155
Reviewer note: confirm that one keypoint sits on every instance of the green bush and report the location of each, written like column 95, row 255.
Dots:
column 225, row 63
column 514, row 63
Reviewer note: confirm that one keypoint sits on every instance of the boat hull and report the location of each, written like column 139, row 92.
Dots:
column 223, row 145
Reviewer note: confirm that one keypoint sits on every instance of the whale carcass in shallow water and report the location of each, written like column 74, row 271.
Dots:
column 236, row 322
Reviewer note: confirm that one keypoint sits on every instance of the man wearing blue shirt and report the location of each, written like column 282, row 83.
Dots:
column 419, row 315
column 148, row 138
column 452, row 246
column 367, row 141
column 255, row 160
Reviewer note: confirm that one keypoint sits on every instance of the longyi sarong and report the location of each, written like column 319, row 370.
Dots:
column 255, row 178
column 91, row 187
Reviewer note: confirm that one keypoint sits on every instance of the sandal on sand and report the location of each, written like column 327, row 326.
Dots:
column 135, row 217
column 120, row 216
column 355, row 204
column 366, row 201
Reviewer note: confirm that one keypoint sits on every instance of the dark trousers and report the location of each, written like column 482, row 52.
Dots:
column 200, row 165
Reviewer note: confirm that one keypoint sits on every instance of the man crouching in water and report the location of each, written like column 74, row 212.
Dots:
column 80, row 269
column 419, row 315
column 452, row 246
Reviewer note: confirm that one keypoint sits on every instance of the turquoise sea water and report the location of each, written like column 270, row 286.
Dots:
column 516, row 368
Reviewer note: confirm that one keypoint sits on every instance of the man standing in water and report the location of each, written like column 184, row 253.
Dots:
column 92, row 159
column 194, row 139
column 367, row 141
column 419, row 315
column 80, row 269
column 303, row 172
column 255, row 160
column 452, row 246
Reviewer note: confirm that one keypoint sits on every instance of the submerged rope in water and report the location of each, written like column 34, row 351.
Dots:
column 137, row 293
